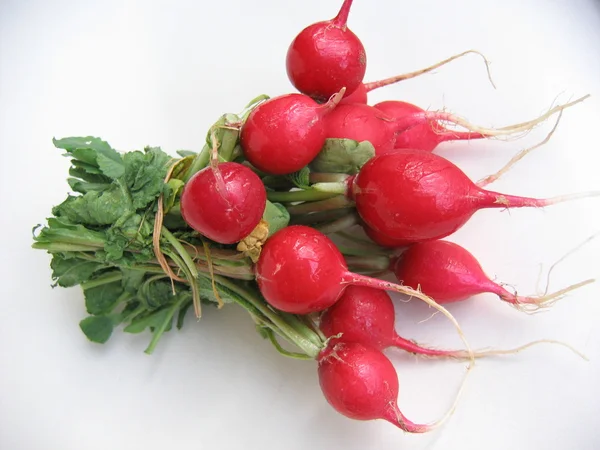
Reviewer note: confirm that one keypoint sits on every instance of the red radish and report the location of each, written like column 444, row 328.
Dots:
column 362, row 122
column 423, row 137
column 361, row 383
column 224, row 203
column 449, row 273
column 366, row 316
column 414, row 196
column 326, row 57
column 285, row 133
column 360, row 94
column 300, row 271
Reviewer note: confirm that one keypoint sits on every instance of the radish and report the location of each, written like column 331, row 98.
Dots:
column 224, row 202
column 283, row 134
column 361, row 383
column 449, row 273
column 326, row 57
column 362, row 122
column 366, row 316
column 360, row 93
column 300, row 271
column 426, row 136
column 414, row 196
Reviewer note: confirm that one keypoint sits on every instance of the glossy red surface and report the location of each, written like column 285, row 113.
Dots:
column 426, row 136
column 300, row 270
column 413, row 195
column 364, row 315
column 444, row 271
column 325, row 57
column 283, row 134
column 224, row 213
column 358, row 381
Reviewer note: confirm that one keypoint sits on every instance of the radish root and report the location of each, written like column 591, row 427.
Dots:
column 534, row 303
column 386, row 82
column 451, row 119
column 515, row 159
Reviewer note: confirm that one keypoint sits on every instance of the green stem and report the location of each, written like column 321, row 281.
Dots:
column 300, row 341
column 149, row 269
column 340, row 224
column 281, row 350
column 133, row 314
column 109, row 277
column 199, row 163
column 313, row 326
column 228, row 141
column 191, row 279
column 158, row 332
column 337, row 202
column 321, row 177
column 306, row 195
column 185, row 256
column 363, row 242
column 334, row 188
column 371, row 263
column 302, row 328
column 57, row 247
column 320, row 217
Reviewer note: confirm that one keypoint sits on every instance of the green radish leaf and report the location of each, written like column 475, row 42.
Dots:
column 277, row 216
column 72, row 271
column 145, row 173
column 95, row 208
column 94, row 152
column 156, row 292
column 342, row 156
column 102, row 299
column 150, row 320
column 300, row 178
column 97, row 328
column 132, row 279
column 172, row 189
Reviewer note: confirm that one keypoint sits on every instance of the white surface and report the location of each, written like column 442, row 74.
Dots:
column 159, row 73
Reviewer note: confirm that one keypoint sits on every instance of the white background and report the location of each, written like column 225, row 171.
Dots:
column 159, row 73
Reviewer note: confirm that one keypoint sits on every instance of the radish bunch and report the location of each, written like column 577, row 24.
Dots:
column 294, row 209
column 403, row 196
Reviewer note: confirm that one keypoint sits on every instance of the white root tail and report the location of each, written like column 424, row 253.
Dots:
column 510, row 130
column 515, row 159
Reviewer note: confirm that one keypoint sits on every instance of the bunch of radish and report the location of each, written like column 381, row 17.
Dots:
column 337, row 170
column 405, row 198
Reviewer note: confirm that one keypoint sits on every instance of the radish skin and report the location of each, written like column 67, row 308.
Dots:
column 415, row 196
column 282, row 135
column 450, row 273
column 361, row 383
column 326, row 57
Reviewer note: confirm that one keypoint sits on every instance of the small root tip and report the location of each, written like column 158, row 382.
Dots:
column 533, row 303
column 486, row 353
